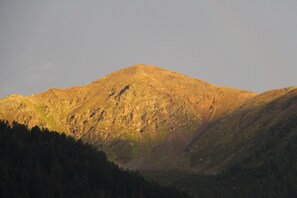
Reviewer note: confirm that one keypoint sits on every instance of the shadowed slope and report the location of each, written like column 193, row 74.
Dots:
column 238, row 134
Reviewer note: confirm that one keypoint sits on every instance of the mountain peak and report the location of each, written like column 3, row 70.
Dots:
column 142, row 68
column 131, row 113
column 142, row 74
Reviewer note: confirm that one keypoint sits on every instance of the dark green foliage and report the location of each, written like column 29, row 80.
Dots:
column 39, row 163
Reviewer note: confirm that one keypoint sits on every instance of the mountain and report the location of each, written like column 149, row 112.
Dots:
column 209, row 140
column 142, row 116
column 148, row 118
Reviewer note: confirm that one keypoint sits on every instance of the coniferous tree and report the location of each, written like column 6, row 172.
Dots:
column 38, row 163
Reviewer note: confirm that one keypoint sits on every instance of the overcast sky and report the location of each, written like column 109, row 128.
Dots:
column 242, row 44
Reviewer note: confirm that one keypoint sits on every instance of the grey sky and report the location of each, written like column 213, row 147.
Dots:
column 243, row 44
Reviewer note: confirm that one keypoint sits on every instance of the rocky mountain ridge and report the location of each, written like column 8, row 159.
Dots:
column 143, row 116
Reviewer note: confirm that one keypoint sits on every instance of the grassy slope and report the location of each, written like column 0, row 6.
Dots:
column 237, row 134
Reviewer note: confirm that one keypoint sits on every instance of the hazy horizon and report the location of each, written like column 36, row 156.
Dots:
column 249, row 45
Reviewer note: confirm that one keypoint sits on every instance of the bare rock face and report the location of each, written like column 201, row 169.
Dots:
column 142, row 116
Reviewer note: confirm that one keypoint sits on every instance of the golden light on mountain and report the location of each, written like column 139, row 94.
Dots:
column 143, row 116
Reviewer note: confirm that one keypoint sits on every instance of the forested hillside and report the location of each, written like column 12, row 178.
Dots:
column 38, row 163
